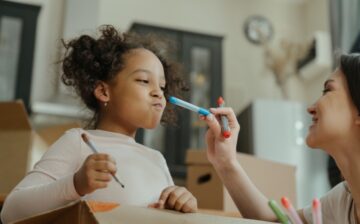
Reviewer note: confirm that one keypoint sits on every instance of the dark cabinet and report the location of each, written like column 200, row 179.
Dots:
column 17, row 43
column 201, row 56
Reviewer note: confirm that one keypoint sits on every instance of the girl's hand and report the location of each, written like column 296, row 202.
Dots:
column 221, row 151
column 95, row 173
column 176, row 198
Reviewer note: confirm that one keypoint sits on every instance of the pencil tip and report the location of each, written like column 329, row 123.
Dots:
column 84, row 137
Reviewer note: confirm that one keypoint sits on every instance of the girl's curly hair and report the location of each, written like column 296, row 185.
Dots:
column 88, row 60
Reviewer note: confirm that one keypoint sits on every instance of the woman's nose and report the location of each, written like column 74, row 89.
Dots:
column 311, row 109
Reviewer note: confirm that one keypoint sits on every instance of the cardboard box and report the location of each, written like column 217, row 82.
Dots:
column 81, row 213
column 53, row 133
column 272, row 178
column 20, row 146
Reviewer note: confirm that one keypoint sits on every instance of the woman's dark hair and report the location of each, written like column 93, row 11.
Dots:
column 350, row 66
column 88, row 60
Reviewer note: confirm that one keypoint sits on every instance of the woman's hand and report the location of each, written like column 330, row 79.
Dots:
column 221, row 151
column 176, row 198
column 95, row 173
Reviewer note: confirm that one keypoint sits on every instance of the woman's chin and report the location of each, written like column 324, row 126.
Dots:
column 310, row 142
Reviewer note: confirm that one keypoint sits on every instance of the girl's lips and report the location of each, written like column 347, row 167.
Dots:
column 158, row 106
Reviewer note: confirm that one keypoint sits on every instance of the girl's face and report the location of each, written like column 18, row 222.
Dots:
column 333, row 115
column 136, row 97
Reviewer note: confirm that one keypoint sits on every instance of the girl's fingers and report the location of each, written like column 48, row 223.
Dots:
column 171, row 194
column 100, row 156
column 101, row 176
column 105, row 166
column 103, row 156
column 181, row 201
column 158, row 205
column 166, row 192
column 174, row 199
column 190, row 205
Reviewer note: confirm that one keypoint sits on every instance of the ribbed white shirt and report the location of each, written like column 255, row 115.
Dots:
column 50, row 184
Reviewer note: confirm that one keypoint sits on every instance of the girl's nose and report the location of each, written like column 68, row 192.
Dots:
column 157, row 92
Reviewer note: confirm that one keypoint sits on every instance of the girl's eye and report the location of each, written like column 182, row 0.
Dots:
column 142, row 80
column 162, row 88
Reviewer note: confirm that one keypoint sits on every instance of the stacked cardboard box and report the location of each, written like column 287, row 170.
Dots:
column 20, row 146
column 272, row 178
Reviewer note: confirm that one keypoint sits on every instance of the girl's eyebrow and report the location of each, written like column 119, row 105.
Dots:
column 141, row 70
column 146, row 71
column 328, row 81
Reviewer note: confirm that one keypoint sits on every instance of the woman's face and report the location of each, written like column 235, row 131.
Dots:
column 333, row 114
column 136, row 94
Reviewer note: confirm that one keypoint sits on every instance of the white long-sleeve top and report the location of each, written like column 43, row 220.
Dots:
column 50, row 184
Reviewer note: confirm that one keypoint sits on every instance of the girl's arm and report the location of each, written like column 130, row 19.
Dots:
column 37, row 193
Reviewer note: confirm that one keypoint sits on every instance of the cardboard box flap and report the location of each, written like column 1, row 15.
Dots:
column 78, row 213
column 136, row 215
column 13, row 116
column 53, row 133
column 198, row 157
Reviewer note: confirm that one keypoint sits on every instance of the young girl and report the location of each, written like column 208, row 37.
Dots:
column 124, row 80
column 335, row 129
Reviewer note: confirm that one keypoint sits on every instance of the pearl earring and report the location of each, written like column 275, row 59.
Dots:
column 105, row 104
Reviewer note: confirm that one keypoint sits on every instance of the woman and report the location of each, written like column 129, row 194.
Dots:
column 335, row 129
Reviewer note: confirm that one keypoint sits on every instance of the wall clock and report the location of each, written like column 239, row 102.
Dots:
column 257, row 26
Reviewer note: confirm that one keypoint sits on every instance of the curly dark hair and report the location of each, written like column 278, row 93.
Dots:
column 88, row 60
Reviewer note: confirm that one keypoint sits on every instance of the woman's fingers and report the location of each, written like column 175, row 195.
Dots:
column 213, row 124
column 230, row 115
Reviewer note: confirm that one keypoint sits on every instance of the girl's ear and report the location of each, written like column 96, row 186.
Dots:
column 101, row 92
